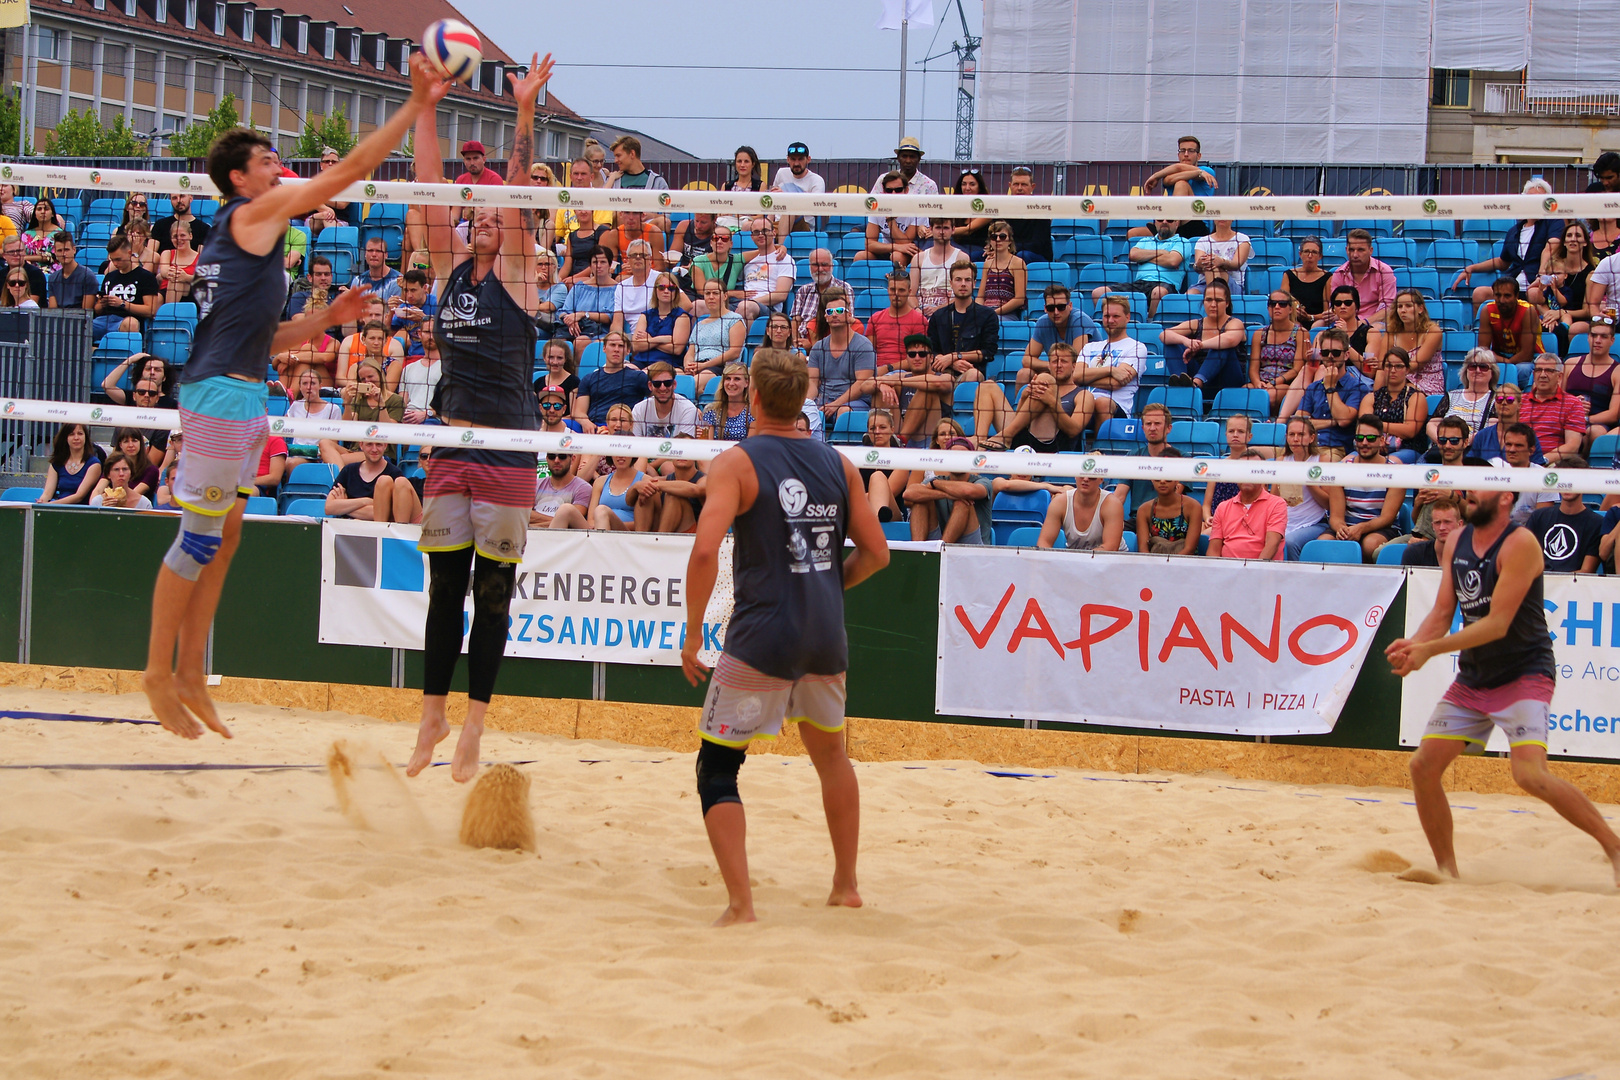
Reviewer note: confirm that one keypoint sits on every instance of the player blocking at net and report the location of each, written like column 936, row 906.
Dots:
column 476, row 502
column 240, row 289
column 788, row 499
column 1492, row 570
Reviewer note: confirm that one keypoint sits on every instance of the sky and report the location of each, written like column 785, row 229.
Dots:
column 757, row 72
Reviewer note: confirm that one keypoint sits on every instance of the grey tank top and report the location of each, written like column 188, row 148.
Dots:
column 1525, row 649
column 787, row 617
column 239, row 297
column 486, row 352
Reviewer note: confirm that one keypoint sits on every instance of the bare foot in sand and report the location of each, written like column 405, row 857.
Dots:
column 464, row 765
column 844, row 896
column 167, row 706
column 193, row 694
column 429, row 735
column 1423, row 877
column 732, row 915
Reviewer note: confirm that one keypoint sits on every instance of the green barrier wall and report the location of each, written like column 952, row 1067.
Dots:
column 92, row 590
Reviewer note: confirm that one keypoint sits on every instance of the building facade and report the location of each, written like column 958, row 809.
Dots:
column 160, row 64
column 1486, row 117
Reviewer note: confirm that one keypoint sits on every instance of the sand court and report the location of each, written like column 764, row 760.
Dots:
column 1049, row 922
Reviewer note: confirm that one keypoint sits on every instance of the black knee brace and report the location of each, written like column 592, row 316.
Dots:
column 492, row 583
column 441, row 639
column 717, row 774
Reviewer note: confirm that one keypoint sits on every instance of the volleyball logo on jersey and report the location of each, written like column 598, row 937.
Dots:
column 1469, row 586
column 810, row 527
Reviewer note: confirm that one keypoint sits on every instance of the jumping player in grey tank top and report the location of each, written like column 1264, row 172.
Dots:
column 476, row 501
column 239, row 292
column 1505, row 671
column 787, row 499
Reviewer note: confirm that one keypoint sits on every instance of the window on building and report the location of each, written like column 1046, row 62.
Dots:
column 114, row 61
column 47, row 109
column 354, row 49
column 84, row 53
column 329, row 42
column 130, row 7
column 205, row 77
column 47, row 45
column 303, row 35
column 191, row 14
column 236, row 83
column 145, row 66
column 368, row 110
column 143, row 120
column 1451, row 88
column 174, row 70
column 81, row 105
column 275, row 31
column 247, row 23
column 220, row 11
column 160, row 11
column 99, row 5
column 172, row 123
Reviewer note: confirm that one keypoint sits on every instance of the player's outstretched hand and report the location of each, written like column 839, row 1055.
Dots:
column 1405, row 656
column 427, row 85
column 696, row 670
column 528, row 87
column 347, row 307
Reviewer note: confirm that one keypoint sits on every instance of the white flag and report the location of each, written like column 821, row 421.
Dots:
column 917, row 12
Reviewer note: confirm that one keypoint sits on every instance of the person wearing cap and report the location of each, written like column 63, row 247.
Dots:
column 554, row 416
column 796, row 176
column 472, row 155
column 951, row 507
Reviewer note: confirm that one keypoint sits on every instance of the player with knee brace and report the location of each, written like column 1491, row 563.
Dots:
column 476, row 501
column 239, row 290
column 787, row 499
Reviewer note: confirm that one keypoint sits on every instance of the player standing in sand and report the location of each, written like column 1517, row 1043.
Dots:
column 239, row 292
column 787, row 497
column 476, row 502
column 1505, row 672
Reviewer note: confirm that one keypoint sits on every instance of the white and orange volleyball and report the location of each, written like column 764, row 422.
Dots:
column 453, row 48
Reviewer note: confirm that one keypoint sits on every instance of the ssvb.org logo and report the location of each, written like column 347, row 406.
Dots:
column 792, row 495
column 871, row 456
column 978, row 205
column 371, row 191
column 1198, row 206
column 564, row 197
column 1315, row 472
column 1550, row 480
column 665, row 447
column 1430, row 206
column 664, row 199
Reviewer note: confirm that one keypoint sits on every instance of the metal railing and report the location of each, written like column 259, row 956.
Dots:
column 1510, row 98
column 43, row 354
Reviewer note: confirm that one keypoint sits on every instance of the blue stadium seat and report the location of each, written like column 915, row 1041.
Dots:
column 105, row 210
column 1118, row 227
column 277, row 405
column 309, row 480
column 1331, row 551
column 1254, row 228
column 1332, row 251
column 1151, row 336
column 171, row 344
column 1263, row 281
column 96, row 233
column 1234, row 401
column 1396, row 251
column 1197, row 438
column 1179, row 307
column 1390, row 554
column 801, row 244
column 1429, row 229
column 844, row 223
column 1486, row 230
column 1454, row 344
column 686, row 386
column 1119, row 436
column 1275, row 435
column 848, row 428
column 1425, row 279
column 1270, row 251
column 1250, row 308
column 1453, row 314
column 1087, row 250
column 756, row 332
column 897, row 530
column 591, row 359
column 869, row 274
column 1012, row 509
column 1604, row 449
column 182, row 313
column 1042, row 274
column 261, row 504
column 204, row 209
column 1153, row 373
column 21, row 494
column 1014, row 336
column 1299, row 228
column 1184, row 402
column 1377, row 226
column 1449, row 255
column 1579, row 344
column 1127, row 539
column 845, row 248
column 1090, row 277
column 1023, row 536
column 306, row 507
column 340, row 244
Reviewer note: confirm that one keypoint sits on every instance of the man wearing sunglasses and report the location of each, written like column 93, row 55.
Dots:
column 842, row 365
column 913, row 388
column 1369, row 512
column 1063, row 322
column 560, row 497
column 1333, row 401
column 665, row 414
column 1451, row 442
column 768, row 276
column 890, row 236
column 554, row 416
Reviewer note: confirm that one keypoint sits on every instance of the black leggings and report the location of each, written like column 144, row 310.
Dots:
column 447, row 592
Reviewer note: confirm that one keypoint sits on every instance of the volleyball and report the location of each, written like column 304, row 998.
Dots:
column 453, row 48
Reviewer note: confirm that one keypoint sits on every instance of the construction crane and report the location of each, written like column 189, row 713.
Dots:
column 966, row 52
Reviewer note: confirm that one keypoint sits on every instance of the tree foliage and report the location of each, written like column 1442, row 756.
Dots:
column 332, row 131
column 10, row 119
column 193, row 140
column 82, row 135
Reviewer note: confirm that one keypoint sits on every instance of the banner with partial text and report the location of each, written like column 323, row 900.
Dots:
column 1583, row 618
column 618, row 598
column 1128, row 640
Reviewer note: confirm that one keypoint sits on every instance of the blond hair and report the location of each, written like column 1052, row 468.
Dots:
column 780, row 382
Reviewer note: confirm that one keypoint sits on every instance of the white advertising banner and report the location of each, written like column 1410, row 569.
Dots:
column 613, row 597
column 1139, row 641
column 1583, row 617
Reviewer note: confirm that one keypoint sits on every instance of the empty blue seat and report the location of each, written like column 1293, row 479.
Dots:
column 1450, row 255
column 1096, row 274
column 848, row 428
column 1270, row 435
column 1127, row 539
column 1453, row 314
column 307, row 507
column 1023, row 536
column 1014, row 508
column 1604, row 449
column 21, row 494
column 1486, row 230
column 1429, row 229
column 896, row 530
column 1119, row 436
column 1331, row 551
column 1425, row 279
column 1197, row 438
column 1396, row 251
column 1454, row 344
column 1184, row 402
column 1086, row 250
column 1390, row 554
column 1377, row 226
column 1299, row 228
column 261, row 504
column 1235, row 401
column 1179, row 307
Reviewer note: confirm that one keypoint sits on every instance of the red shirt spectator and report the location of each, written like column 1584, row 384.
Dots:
column 888, row 332
column 1559, row 419
column 270, row 470
column 472, row 155
column 1243, row 527
column 1506, row 332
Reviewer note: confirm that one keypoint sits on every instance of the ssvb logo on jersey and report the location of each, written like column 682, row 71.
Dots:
column 1469, row 587
column 465, row 307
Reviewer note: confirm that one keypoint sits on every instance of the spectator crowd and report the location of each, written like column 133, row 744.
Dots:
column 1248, row 339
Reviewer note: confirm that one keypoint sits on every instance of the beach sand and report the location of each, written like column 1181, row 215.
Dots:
column 237, row 923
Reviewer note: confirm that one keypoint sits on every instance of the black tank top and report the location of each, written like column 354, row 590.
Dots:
column 787, row 565
column 486, row 352
column 1525, row 649
column 692, row 245
column 239, row 297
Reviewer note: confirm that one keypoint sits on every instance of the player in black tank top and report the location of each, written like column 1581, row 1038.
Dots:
column 1492, row 571
column 223, row 403
column 790, row 501
column 476, row 501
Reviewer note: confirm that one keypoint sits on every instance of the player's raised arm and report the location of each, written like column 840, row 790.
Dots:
column 517, row 229
column 269, row 213
column 444, row 247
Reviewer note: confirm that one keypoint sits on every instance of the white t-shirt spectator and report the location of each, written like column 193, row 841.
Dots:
column 1607, row 274
column 327, row 410
column 417, row 382
column 633, row 299
column 762, row 271
column 1105, row 353
column 1225, row 249
column 811, row 183
column 682, row 419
